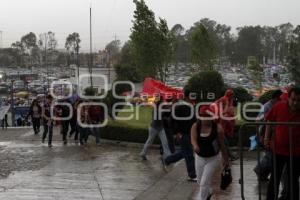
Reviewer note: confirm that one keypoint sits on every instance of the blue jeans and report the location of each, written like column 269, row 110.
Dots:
column 36, row 125
column 48, row 128
column 86, row 132
column 186, row 152
column 95, row 131
column 152, row 133
column 83, row 132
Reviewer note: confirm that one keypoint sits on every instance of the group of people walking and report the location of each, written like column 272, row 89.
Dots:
column 281, row 162
column 201, row 140
column 73, row 122
column 200, row 134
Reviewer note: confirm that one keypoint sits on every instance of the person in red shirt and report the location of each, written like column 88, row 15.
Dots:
column 223, row 108
column 285, row 111
column 95, row 117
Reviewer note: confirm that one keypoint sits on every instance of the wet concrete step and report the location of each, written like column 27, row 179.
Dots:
column 173, row 186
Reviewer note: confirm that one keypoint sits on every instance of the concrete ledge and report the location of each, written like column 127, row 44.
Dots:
column 173, row 186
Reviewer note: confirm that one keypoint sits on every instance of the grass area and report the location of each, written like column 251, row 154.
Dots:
column 136, row 128
column 141, row 117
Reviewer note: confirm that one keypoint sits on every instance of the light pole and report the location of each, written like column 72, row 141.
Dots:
column 46, row 64
column 108, row 64
column 1, row 39
column 27, row 86
column 12, row 106
column 77, row 60
column 91, row 55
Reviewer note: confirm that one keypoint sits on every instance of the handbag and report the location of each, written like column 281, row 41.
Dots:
column 226, row 178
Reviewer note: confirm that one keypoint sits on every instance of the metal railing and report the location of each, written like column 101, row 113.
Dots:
column 241, row 153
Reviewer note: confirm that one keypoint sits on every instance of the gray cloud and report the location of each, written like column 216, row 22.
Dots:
column 113, row 17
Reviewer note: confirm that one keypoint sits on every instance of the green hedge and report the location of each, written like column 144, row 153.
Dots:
column 123, row 133
column 139, row 135
column 127, row 133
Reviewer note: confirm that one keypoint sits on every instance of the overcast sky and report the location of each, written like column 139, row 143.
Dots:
column 114, row 17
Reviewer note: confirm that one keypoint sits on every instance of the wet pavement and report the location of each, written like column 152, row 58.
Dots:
column 174, row 186
column 30, row 170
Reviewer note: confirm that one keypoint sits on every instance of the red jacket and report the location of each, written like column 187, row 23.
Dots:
column 280, row 113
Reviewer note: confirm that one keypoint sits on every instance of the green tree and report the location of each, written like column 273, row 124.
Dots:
column 143, row 35
column 19, row 52
column 219, row 34
column 249, row 43
column 7, row 57
column 126, row 68
column 166, row 49
column 61, row 59
column 36, row 56
column 220, row 37
column 207, row 85
column 284, row 40
column 203, row 51
column 270, row 40
column 113, row 52
column 72, row 45
column 47, row 44
column 113, row 47
column 294, row 56
column 150, row 42
column 256, row 72
column 180, row 44
column 29, row 42
column 177, row 30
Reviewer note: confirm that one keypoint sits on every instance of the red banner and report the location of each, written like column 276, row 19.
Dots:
column 155, row 88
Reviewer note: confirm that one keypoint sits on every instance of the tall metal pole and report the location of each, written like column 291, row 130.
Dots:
column 108, row 64
column 274, row 54
column 46, row 64
column 1, row 40
column 91, row 55
column 12, row 106
column 77, row 66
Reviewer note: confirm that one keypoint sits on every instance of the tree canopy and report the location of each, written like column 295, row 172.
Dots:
column 151, row 42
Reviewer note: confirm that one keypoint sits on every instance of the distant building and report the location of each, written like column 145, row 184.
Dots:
column 26, row 76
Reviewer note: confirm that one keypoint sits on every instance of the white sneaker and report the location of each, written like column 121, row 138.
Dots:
column 192, row 179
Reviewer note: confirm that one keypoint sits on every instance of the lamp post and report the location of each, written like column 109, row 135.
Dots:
column 12, row 106
column 27, row 87
column 77, row 60
column 46, row 61
column 91, row 55
column 108, row 64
